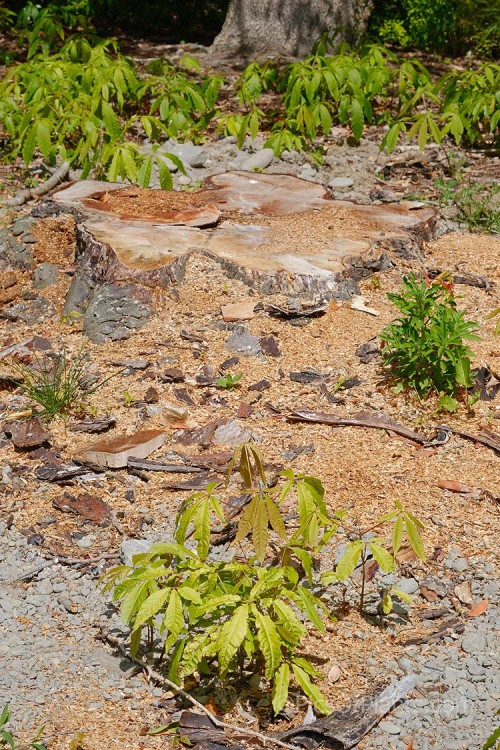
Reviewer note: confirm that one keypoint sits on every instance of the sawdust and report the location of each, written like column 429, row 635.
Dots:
column 362, row 470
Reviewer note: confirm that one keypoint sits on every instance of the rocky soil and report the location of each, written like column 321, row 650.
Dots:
column 59, row 670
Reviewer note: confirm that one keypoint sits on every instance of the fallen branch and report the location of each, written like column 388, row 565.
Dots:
column 383, row 422
column 23, row 196
column 161, row 680
column 77, row 561
column 363, row 419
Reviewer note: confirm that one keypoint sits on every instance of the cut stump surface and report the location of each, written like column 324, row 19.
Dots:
column 277, row 233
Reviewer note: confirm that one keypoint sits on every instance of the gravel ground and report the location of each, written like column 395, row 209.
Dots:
column 48, row 624
column 48, row 628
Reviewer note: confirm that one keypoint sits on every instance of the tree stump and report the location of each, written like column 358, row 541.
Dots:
column 276, row 233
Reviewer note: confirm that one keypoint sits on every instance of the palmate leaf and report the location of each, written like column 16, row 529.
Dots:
column 281, row 681
column 269, row 642
column 231, row 637
column 312, row 692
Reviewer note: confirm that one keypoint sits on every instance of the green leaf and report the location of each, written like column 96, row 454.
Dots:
column 29, row 145
column 151, row 606
column 275, row 517
column 414, row 538
column 164, row 174
column 382, row 556
column 281, row 681
column 312, row 692
column 448, row 403
column 391, row 138
column 309, row 606
column 135, row 641
column 231, row 637
column 349, row 560
column 462, row 372
column 190, row 595
column 402, row 595
column 111, row 121
column 397, row 535
column 144, row 173
column 260, row 532
column 269, row 642
column 133, row 601
column 357, row 119
column 387, row 603
column 174, row 619
column 492, row 740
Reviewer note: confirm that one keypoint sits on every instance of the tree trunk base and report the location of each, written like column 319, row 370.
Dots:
column 276, row 233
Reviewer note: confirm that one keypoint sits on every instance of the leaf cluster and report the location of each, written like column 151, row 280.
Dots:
column 425, row 347
column 248, row 615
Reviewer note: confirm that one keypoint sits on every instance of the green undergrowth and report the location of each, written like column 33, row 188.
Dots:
column 77, row 98
column 220, row 623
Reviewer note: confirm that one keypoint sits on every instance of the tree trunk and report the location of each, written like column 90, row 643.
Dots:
column 287, row 28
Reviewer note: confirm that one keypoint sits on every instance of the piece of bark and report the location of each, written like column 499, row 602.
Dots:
column 345, row 728
column 114, row 453
column 182, row 395
column 198, row 482
column 91, row 508
column 59, row 472
column 307, row 376
column 145, row 465
column 362, row 419
column 202, row 435
column 199, row 728
column 450, row 626
column 261, row 385
column 172, row 375
column 299, row 311
column 269, row 346
column 29, row 433
column 99, row 424
column 485, row 437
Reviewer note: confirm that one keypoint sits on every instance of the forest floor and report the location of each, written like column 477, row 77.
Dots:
column 59, row 671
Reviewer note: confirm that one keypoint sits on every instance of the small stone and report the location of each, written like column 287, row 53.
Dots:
column 231, row 434
column 389, row 727
column 473, row 643
column 68, row 605
column 243, row 342
column 243, row 310
column 131, row 547
column 341, row 183
column 45, row 274
column 408, row 585
column 260, row 160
